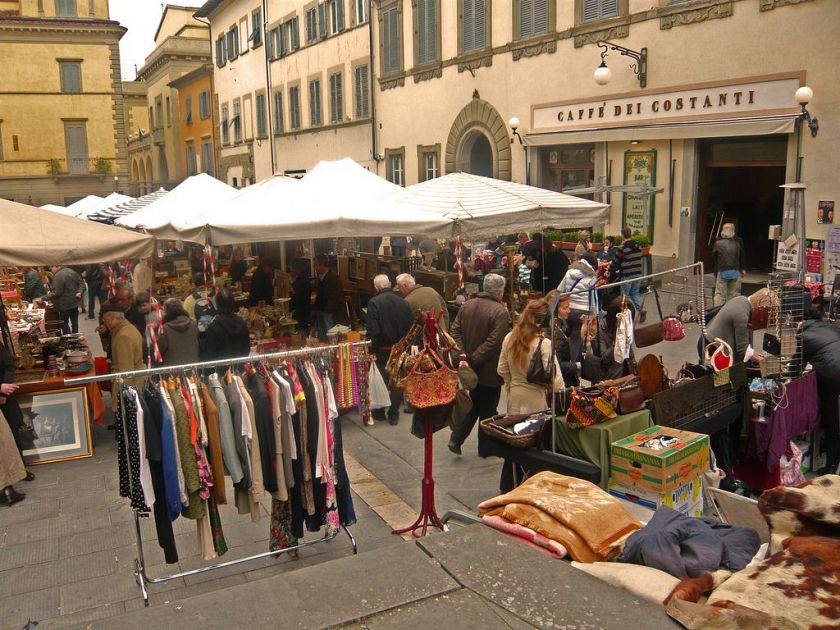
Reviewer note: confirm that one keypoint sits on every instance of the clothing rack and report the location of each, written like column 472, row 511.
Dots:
column 140, row 575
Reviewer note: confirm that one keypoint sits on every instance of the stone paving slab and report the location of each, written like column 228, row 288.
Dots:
column 319, row 596
column 26, row 554
column 543, row 591
column 16, row 610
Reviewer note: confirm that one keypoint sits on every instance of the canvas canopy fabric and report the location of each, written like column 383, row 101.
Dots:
column 110, row 214
column 182, row 214
column 483, row 206
column 34, row 236
column 336, row 199
column 89, row 205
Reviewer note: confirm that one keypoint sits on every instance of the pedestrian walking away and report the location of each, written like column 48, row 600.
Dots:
column 730, row 262
column 66, row 296
column 479, row 329
column 628, row 263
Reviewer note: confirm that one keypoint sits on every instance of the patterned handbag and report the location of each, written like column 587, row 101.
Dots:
column 591, row 405
column 431, row 388
column 674, row 329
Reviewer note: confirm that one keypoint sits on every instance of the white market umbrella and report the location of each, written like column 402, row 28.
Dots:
column 336, row 199
column 483, row 206
column 35, row 236
column 182, row 213
column 112, row 213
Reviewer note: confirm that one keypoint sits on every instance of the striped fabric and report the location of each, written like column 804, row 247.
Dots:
column 109, row 215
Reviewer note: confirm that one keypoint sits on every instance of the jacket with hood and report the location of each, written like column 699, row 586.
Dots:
column 179, row 341
column 578, row 280
column 227, row 337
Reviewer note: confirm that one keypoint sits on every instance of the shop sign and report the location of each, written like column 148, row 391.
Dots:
column 761, row 96
column 638, row 210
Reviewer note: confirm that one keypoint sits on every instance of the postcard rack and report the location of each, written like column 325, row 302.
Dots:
column 140, row 574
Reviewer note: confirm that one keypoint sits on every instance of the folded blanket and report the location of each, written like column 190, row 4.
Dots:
column 588, row 522
column 643, row 582
column 812, row 509
column 528, row 536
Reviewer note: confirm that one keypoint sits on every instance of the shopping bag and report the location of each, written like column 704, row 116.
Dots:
column 380, row 398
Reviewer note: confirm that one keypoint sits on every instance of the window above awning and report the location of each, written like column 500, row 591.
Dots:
column 717, row 128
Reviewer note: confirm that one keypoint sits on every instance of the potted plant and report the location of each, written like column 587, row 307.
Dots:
column 54, row 168
column 643, row 241
column 102, row 166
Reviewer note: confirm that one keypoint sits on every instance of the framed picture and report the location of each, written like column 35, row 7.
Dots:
column 639, row 209
column 60, row 420
column 825, row 212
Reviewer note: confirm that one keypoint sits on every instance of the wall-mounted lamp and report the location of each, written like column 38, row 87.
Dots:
column 603, row 74
column 803, row 97
column 514, row 125
column 635, row 142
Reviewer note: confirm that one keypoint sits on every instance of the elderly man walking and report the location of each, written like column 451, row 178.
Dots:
column 421, row 298
column 388, row 320
column 66, row 295
column 479, row 329
column 730, row 264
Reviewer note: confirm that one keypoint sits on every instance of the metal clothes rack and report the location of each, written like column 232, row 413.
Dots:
column 139, row 563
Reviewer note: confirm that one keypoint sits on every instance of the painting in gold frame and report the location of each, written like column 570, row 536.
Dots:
column 60, row 420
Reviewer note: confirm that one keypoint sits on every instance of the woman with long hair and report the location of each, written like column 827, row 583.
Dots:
column 562, row 344
column 518, row 347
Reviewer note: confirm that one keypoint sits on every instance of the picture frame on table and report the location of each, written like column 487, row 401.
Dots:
column 61, row 424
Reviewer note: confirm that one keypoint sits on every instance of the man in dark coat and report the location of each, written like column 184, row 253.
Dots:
column 479, row 329
column 9, row 404
column 548, row 265
column 388, row 320
column 329, row 301
column 301, row 302
column 262, row 284
column 821, row 348
column 227, row 336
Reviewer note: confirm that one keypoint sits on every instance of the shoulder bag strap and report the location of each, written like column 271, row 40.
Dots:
column 658, row 305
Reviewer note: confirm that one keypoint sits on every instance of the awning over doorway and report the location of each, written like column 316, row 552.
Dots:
column 721, row 128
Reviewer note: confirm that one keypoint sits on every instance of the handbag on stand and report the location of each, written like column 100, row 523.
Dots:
column 650, row 334
column 437, row 386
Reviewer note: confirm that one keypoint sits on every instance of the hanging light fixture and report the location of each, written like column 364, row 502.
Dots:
column 603, row 74
column 803, row 96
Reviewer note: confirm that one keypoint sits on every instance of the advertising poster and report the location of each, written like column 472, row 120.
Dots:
column 825, row 212
column 639, row 169
column 814, row 251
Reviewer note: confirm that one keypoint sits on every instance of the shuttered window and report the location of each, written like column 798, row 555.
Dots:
column 65, row 8
column 204, row 104
column 473, row 25
column 322, row 20
column 278, row 112
column 262, row 129
column 188, row 110
column 361, row 11
column 311, row 25
column 426, row 31
column 533, row 18
column 71, row 76
column 220, row 51
column 337, row 15
column 192, row 166
column 362, row 92
column 599, row 10
column 391, row 41
column 75, row 136
column 233, row 43
column 225, row 125
column 256, row 28
column 294, row 34
column 336, row 98
column 316, row 118
column 237, row 123
column 294, row 107
column 206, row 157
column 280, row 45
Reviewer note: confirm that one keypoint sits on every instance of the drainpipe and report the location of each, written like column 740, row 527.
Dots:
column 373, row 147
column 268, row 94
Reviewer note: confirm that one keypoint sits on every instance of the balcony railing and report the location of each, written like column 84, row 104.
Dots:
column 79, row 166
column 157, row 135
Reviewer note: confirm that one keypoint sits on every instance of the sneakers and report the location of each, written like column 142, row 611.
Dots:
column 454, row 447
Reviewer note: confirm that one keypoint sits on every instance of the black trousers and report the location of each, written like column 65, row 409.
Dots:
column 69, row 320
column 485, row 402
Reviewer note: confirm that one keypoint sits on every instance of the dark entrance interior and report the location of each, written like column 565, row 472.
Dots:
column 739, row 183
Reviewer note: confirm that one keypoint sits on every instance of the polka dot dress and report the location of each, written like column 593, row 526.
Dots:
column 135, row 492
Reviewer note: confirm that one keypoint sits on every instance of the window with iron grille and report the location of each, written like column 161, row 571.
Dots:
column 533, row 17
column 315, row 117
column 362, row 92
column 598, row 10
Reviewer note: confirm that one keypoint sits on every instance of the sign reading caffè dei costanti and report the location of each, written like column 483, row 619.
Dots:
column 753, row 97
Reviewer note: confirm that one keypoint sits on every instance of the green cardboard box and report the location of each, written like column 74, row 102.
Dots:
column 681, row 457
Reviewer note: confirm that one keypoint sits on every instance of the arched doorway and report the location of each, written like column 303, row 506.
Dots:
column 164, row 169
column 150, row 177
column 478, row 142
column 141, row 178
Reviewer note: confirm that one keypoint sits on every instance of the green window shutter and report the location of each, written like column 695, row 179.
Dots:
column 340, row 14
column 261, row 120
column 278, row 112
column 322, row 20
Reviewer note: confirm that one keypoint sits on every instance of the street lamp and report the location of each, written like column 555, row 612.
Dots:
column 603, row 74
column 116, row 183
column 513, row 123
column 803, row 97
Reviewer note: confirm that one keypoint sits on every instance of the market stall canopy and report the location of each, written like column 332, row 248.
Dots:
column 483, row 206
column 110, row 214
column 34, row 236
column 60, row 209
column 189, row 203
column 336, row 199
column 89, row 205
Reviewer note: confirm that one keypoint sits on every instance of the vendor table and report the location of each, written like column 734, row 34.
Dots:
column 593, row 443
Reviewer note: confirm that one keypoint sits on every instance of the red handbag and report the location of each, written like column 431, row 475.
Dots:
column 432, row 388
column 673, row 329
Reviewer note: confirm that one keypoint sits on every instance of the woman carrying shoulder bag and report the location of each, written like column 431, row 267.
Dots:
column 518, row 351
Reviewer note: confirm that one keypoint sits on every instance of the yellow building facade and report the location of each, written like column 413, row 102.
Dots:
column 182, row 44
column 62, row 118
column 197, row 121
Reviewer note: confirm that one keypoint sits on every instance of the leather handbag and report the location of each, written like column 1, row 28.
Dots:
column 437, row 386
column 630, row 398
column 591, row 405
column 673, row 329
column 771, row 344
column 652, row 376
column 538, row 373
column 718, row 354
column 650, row 334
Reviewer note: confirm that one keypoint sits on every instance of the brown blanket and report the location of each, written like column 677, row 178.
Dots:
column 590, row 523
column 812, row 509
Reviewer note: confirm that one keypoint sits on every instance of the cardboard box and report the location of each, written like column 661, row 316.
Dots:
column 687, row 499
column 683, row 456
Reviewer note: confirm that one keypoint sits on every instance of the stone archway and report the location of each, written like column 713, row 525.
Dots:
column 150, row 177
column 142, row 177
column 478, row 142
